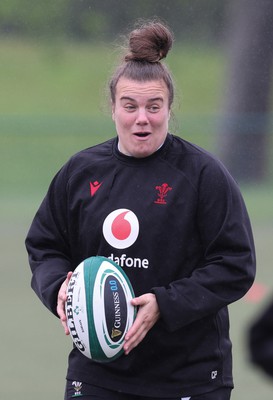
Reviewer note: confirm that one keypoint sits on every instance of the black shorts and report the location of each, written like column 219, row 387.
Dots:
column 78, row 390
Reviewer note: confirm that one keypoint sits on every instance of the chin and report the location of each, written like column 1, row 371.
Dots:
column 143, row 151
column 142, row 154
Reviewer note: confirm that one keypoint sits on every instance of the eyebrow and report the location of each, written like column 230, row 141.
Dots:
column 149, row 100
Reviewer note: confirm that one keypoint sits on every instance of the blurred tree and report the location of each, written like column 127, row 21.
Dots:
column 243, row 143
column 33, row 18
column 104, row 19
column 189, row 19
column 86, row 20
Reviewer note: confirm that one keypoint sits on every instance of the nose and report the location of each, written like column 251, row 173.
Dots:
column 142, row 118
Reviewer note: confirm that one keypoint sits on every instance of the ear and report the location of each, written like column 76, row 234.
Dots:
column 113, row 110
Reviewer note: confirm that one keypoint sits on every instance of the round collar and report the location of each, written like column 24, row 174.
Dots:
column 136, row 161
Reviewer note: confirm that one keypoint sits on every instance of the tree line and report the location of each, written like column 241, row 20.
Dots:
column 103, row 19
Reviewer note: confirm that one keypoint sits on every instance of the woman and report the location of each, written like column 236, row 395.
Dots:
column 193, row 238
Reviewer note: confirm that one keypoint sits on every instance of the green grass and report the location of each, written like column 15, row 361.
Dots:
column 53, row 104
column 52, row 79
column 198, row 75
column 63, row 79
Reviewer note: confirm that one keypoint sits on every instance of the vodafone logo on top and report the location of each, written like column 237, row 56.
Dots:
column 121, row 228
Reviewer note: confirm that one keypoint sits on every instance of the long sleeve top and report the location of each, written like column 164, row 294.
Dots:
column 177, row 224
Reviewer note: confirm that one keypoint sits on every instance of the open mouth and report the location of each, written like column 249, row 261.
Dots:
column 142, row 134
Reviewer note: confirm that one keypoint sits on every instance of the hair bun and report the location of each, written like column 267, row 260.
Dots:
column 149, row 42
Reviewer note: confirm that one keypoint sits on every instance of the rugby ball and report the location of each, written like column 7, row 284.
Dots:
column 98, row 308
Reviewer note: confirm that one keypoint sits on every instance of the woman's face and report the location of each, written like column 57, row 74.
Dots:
column 141, row 114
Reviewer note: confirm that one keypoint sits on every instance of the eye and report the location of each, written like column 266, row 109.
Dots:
column 129, row 107
column 154, row 108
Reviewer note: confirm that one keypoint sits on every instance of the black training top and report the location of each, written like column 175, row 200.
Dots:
column 176, row 222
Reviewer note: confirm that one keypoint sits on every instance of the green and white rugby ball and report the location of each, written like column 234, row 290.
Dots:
column 98, row 308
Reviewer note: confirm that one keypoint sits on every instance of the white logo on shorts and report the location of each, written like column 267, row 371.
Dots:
column 213, row 374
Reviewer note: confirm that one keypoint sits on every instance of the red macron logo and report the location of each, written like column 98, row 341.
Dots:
column 162, row 193
column 94, row 186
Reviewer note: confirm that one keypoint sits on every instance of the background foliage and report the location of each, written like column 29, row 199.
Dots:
column 101, row 19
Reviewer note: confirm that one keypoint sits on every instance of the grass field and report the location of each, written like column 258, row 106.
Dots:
column 52, row 105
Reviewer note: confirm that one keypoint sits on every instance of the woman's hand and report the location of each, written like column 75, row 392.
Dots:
column 61, row 303
column 147, row 316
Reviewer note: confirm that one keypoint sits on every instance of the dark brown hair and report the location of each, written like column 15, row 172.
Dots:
column 148, row 43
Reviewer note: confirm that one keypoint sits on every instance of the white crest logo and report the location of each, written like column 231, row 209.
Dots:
column 77, row 388
column 121, row 228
